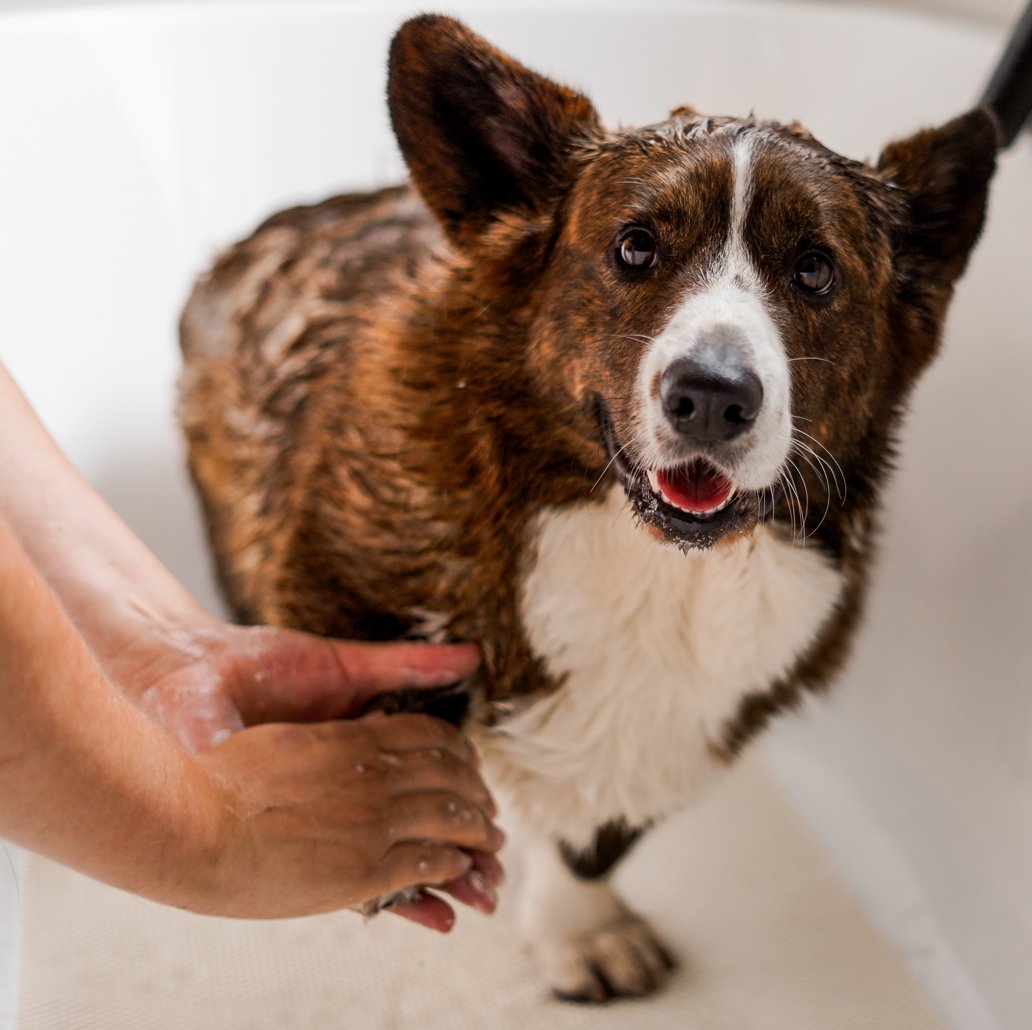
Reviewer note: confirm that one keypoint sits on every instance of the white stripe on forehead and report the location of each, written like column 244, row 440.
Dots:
column 736, row 260
column 729, row 306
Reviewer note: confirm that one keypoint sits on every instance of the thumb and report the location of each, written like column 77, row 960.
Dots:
column 289, row 676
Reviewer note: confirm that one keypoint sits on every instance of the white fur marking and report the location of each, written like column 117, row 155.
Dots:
column 736, row 257
column 658, row 649
column 578, row 929
column 730, row 309
column 554, row 903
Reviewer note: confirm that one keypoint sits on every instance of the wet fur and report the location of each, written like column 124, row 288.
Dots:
column 386, row 394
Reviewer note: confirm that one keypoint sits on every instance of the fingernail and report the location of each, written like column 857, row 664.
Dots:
column 485, row 896
column 430, row 677
column 492, row 870
column 467, row 654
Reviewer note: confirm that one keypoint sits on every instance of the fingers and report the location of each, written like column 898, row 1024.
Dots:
column 413, row 776
column 472, row 889
column 324, row 814
column 426, row 910
column 486, row 863
column 443, row 816
column 278, row 675
column 400, row 733
column 477, row 888
column 435, row 769
column 383, row 667
column 416, row 863
column 418, row 754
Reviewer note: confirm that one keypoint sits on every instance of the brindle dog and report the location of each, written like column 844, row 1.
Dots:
column 618, row 405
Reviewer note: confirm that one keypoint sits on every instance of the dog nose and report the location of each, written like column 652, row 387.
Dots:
column 706, row 403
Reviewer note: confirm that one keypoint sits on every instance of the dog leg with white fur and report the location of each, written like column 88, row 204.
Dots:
column 589, row 944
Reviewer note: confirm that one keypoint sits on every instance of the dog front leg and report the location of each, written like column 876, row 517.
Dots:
column 591, row 946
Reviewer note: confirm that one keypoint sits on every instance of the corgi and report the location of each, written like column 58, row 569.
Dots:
column 616, row 404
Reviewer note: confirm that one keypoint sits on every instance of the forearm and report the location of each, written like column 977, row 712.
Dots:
column 84, row 777
column 277, row 820
column 110, row 584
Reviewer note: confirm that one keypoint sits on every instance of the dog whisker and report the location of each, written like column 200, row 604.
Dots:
column 819, row 469
column 804, row 506
column 820, row 466
column 792, row 500
column 780, row 484
column 800, row 533
column 634, row 337
column 609, row 465
column 839, row 475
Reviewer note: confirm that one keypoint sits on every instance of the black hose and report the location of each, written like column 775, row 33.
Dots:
column 1009, row 93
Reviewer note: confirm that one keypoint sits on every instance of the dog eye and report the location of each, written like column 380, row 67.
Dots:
column 637, row 250
column 815, row 273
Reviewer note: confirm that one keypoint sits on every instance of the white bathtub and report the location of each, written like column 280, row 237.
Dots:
column 135, row 139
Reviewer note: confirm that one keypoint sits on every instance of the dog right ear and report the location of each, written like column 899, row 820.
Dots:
column 482, row 135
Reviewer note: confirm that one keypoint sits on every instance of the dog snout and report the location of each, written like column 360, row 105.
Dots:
column 709, row 402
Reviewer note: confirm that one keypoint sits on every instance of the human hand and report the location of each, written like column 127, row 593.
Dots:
column 347, row 811
column 206, row 682
column 209, row 679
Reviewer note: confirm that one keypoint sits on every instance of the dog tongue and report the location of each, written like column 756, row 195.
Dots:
column 697, row 487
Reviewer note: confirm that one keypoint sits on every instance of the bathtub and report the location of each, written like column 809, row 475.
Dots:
column 138, row 138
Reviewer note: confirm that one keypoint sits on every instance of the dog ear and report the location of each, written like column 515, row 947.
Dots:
column 481, row 134
column 945, row 175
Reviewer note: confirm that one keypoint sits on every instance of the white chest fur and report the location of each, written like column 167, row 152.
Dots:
column 657, row 649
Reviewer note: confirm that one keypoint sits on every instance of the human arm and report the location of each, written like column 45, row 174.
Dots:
column 347, row 811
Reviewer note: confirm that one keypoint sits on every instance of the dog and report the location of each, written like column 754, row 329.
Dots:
column 617, row 405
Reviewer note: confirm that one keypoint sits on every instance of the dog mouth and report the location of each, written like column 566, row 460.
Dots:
column 694, row 504
column 698, row 488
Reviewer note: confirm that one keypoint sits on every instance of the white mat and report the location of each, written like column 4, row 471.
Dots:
column 768, row 936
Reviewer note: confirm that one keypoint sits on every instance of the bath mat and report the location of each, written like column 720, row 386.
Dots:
column 769, row 939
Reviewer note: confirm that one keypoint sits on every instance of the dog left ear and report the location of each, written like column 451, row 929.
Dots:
column 481, row 134
column 945, row 174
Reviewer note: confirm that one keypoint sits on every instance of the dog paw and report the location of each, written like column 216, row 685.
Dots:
column 623, row 959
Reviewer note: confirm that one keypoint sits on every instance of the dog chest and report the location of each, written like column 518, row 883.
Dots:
column 655, row 650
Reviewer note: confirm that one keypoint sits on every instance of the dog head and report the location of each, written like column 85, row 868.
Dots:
column 720, row 304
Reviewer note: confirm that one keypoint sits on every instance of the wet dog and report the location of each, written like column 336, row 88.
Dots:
column 618, row 405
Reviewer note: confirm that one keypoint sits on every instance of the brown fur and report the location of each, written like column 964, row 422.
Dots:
column 381, row 391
